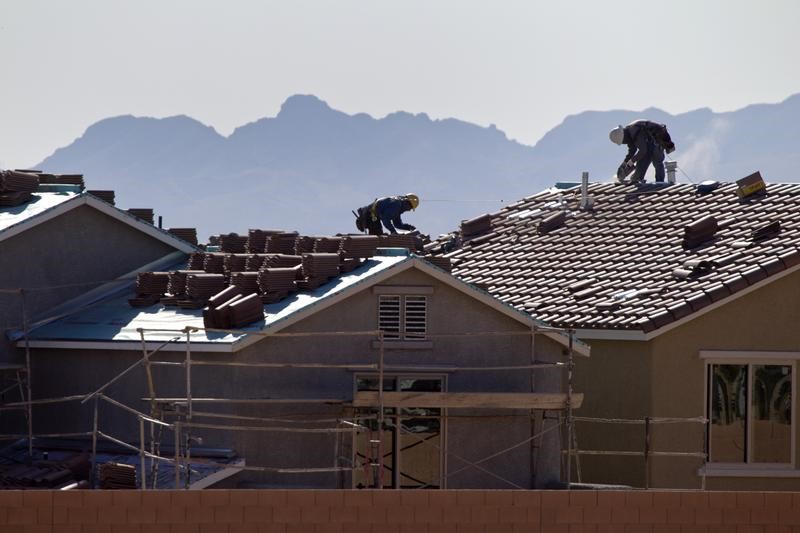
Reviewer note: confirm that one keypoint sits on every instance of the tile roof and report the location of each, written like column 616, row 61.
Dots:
column 643, row 257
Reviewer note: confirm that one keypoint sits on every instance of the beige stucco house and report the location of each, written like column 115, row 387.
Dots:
column 467, row 380
column 689, row 296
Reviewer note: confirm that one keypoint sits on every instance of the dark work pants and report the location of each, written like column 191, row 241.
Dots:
column 654, row 155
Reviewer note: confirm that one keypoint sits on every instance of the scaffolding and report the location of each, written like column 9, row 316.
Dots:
column 187, row 419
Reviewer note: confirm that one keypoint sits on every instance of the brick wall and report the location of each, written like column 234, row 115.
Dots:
column 306, row 511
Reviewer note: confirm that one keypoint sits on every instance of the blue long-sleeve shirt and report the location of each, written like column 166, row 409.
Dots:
column 388, row 210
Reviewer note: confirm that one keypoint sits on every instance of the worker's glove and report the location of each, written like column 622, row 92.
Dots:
column 669, row 147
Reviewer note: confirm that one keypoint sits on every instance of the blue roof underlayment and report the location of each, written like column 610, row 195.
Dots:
column 113, row 319
column 40, row 203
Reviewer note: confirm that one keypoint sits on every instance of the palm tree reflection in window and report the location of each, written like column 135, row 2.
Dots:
column 764, row 421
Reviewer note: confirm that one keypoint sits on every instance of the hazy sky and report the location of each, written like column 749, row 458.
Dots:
column 522, row 65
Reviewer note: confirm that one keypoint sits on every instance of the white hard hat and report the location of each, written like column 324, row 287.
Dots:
column 617, row 135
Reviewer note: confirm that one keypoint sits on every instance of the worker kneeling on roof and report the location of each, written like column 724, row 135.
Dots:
column 647, row 141
column 387, row 211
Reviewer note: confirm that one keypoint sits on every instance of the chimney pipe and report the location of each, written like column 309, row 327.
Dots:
column 586, row 202
column 671, row 167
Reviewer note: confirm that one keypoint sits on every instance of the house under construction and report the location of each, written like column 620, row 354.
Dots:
column 388, row 372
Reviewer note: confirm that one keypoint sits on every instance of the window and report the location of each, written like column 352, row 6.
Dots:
column 750, row 412
column 411, row 443
column 403, row 316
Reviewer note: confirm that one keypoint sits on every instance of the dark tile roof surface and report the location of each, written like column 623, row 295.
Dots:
column 641, row 258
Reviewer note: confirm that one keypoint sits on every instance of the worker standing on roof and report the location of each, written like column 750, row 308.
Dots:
column 647, row 141
column 387, row 211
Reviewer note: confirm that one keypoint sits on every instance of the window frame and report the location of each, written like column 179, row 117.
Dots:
column 750, row 359
column 399, row 417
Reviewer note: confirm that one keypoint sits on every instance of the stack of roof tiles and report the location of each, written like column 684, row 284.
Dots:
column 200, row 287
column 214, row 263
column 318, row 268
column 399, row 240
column 304, row 244
column 270, row 275
column 642, row 257
column 61, row 179
column 187, row 234
column 359, row 246
column 150, row 287
column 246, row 310
column 257, row 240
column 233, row 243
column 254, row 262
column 281, row 243
column 177, row 286
column 246, row 281
column 117, row 476
column 235, row 263
column 442, row 262
column 282, row 260
column 217, row 314
column 106, row 196
column 230, row 308
column 196, row 261
column 276, row 283
column 142, row 213
column 476, row 226
column 16, row 187
column 330, row 245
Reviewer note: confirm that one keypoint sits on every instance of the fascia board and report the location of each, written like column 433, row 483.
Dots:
column 103, row 207
column 126, row 346
column 149, row 229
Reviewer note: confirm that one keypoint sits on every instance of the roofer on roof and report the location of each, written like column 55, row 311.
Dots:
column 387, row 211
column 647, row 141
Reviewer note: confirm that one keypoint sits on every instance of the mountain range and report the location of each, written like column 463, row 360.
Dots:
column 310, row 165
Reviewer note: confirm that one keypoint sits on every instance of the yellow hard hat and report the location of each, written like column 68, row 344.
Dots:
column 414, row 199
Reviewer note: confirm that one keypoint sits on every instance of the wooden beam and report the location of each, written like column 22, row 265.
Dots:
column 246, row 400
column 493, row 400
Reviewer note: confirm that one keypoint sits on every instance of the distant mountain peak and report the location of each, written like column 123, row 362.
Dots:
column 303, row 105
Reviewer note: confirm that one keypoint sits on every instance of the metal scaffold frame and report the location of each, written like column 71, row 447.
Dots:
column 185, row 412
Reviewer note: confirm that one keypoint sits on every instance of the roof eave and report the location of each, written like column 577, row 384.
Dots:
column 105, row 208
column 639, row 335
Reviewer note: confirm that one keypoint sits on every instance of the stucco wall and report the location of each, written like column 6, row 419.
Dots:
column 82, row 246
column 471, row 435
column 666, row 378
column 763, row 320
column 615, row 381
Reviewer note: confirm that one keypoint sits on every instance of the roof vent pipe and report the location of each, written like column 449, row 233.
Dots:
column 586, row 202
column 671, row 166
